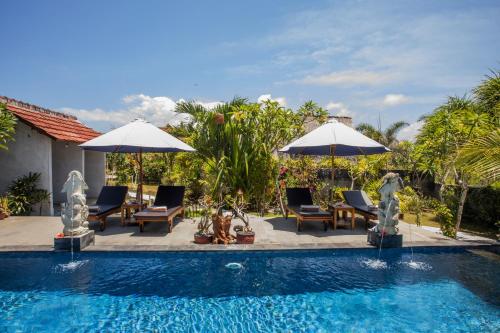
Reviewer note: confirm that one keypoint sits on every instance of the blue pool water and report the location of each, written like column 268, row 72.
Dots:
column 454, row 290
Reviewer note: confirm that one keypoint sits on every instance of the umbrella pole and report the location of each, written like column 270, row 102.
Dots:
column 332, row 154
column 139, row 186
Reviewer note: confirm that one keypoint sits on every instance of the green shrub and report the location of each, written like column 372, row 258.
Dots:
column 23, row 193
column 445, row 218
column 411, row 202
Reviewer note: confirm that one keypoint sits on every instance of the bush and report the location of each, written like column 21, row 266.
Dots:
column 444, row 217
column 411, row 202
column 23, row 193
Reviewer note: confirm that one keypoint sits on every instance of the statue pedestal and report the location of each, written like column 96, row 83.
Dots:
column 374, row 239
column 79, row 242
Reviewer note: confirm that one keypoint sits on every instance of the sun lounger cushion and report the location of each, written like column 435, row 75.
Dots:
column 320, row 213
column 110, row 198
column 102, row 209
column 112, row 195
column 360, row 201
column 148, row 213
column 309, row 208
column 298, row 196
column 170, row 196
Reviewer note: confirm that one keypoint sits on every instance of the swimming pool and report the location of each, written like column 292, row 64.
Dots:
column 452, row 290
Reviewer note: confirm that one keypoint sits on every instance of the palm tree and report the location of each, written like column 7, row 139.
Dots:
column 487, row 95
column 482, row 156
column 387, row 137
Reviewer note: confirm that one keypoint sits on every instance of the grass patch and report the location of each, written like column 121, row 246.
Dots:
column 429, row 219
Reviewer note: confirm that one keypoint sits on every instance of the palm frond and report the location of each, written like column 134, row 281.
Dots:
column 369, row 131
column 482, row 156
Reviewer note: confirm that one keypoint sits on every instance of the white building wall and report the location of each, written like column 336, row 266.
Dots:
column 95, row 164
column 30, row 152
column 66, row 157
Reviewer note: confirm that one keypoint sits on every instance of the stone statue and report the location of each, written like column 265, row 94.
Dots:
column 388, row 208
column 75, row 211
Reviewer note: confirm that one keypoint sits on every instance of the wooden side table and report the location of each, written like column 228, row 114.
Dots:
column 336, row 209
column 127, row 208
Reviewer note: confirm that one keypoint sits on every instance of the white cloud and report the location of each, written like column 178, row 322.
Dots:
column 395, row 99
column 348, row 78
column 410, row 132
column 339, row 109
column 267, row 97
column 157, row 110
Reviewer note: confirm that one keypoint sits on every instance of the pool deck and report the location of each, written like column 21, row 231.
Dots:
column 36, row 233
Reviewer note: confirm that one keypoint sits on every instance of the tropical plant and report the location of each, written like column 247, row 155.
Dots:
column 487, row 95
column 4, row 206
column 7, row 126
column 444, row 217
column 237, row 141
column 412, row 202
column 208, row 209
column 482, row 156
column 451, row 127
column 386, row 137
column 23, row 193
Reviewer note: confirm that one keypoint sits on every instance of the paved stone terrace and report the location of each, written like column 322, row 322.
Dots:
column 35, row 233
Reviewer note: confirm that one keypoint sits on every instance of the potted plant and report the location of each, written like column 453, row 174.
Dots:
column 4, row 208
column 244, row 233
column 203, row 234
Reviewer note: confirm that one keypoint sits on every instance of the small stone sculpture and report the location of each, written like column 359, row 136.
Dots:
column 388, row 208
column 75, row 211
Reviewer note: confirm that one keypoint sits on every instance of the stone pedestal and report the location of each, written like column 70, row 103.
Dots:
column 374, row 239
column 79, row 242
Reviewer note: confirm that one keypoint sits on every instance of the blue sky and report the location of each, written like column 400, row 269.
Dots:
column 110, row 61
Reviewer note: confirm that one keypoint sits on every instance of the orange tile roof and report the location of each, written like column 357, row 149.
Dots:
column 56, row 125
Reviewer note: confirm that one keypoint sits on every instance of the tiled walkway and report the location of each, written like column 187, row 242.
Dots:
column 36, row 233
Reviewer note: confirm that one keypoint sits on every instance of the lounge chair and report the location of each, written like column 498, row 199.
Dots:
column 110, row 201
column 298, row 197
column 172, row 198
column 362, row 204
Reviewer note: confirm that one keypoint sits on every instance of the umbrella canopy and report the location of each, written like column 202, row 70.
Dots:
column 135, row 137
column 138, row 136
column 334, row 138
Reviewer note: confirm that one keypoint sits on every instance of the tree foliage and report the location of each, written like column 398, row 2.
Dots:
column 7, row 126
column 386, row 137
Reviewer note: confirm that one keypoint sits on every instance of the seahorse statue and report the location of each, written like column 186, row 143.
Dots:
column 388, row 208
column 74, row 212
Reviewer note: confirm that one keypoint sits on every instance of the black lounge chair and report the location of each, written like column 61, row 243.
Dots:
column 170, row 196
column 110, row 201
column 298, row 197
column 362, row 205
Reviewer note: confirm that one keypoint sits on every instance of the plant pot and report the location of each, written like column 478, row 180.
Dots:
column 401, row 216
column 245, row 237
column 203, row 239
column 3, row 216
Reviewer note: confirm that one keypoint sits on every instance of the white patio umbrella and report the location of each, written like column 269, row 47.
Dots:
column 138, row 136
column 334, row 139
